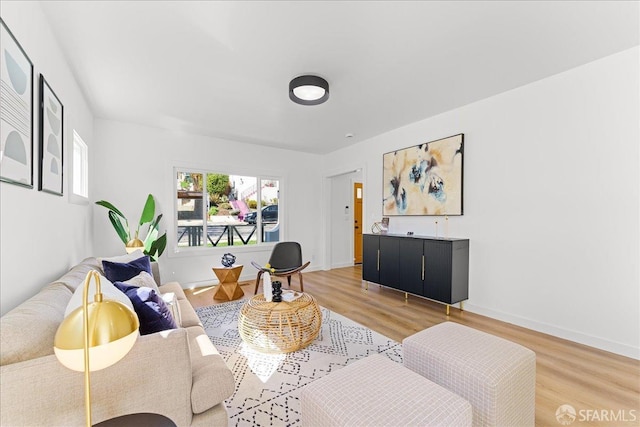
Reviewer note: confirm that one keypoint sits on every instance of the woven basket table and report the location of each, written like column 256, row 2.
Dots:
column 279, row 327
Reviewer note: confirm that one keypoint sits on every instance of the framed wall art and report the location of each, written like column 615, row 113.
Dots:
column 425, row 179
column 51, row 140
column 16, row 111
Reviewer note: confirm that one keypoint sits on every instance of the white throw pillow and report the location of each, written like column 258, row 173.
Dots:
column 143, row 279
column 109, row 291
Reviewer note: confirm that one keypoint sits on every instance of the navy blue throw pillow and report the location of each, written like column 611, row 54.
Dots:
column 120, row 271
column 152, row 311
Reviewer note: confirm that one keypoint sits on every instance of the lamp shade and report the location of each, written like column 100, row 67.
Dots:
column 308, row 90
column 113, row 330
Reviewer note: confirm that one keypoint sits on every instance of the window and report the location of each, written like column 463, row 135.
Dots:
column 217, row 210
column 80, row 167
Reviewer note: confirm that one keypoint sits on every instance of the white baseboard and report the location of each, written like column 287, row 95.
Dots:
column 591, row 341
column 341, row 265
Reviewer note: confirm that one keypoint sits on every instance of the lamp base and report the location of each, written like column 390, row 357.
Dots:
column 144, row 419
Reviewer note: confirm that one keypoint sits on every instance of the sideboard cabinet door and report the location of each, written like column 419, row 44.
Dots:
column 411, row 266
column 437, row 270
column 390, row 261
column 370, row 260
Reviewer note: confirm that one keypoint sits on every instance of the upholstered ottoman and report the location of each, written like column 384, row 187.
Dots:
column 375, row 391
column 496, row 376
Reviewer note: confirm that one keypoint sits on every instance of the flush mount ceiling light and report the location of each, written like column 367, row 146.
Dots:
column 308, row 90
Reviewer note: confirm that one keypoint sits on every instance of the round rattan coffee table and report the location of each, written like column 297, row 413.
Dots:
column 279, row 327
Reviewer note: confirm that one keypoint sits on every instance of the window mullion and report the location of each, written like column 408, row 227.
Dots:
column 259, row 226
column 205, row 208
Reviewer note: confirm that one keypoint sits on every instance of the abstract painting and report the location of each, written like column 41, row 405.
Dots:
column 425, row 179
column 16, row 111
column 51, row 140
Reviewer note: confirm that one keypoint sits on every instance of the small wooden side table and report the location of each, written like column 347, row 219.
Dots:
column 228, row 289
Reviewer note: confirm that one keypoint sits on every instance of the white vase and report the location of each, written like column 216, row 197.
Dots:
column 266, row 287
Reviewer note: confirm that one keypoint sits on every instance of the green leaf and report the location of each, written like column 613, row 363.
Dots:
column 148, row 211
column 154, row 224
column 109, row 206
column 152, row 233
column 158, row 247
column 123, row 232
column 161, row 243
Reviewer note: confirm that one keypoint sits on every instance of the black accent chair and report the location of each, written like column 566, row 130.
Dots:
column 285, row 261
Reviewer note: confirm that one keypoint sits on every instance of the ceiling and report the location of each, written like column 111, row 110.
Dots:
column 222, row 69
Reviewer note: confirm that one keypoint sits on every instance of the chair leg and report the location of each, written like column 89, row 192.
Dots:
column 289, row 281
column 255, row 292
column 301, row 284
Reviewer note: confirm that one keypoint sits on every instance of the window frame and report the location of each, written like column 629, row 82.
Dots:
column 179, row 251
column 79, row 170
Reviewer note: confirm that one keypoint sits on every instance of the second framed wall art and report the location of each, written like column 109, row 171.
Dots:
column 51, row 140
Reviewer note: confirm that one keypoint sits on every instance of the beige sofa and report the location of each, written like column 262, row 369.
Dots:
column 176, row 373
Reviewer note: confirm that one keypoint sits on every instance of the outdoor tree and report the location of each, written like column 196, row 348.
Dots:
column 218, row 184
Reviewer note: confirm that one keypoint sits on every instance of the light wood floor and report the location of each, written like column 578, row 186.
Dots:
column 567, row 373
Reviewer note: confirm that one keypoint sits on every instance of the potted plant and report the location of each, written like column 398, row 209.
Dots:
column 152, row 245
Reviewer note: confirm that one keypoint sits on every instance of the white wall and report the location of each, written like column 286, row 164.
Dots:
column 133, row 161
column 42, row 234
column 551, row 190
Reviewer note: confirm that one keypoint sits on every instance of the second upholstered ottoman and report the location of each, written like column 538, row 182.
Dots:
column 498, row 377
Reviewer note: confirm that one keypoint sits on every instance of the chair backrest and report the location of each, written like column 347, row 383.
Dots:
column 286, row 255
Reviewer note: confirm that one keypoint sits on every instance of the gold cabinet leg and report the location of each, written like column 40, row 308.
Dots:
column 406, row 296
column 447, row 309
column 461, row 305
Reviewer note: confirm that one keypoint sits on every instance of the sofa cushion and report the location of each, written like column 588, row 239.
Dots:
column 75, row 277
column 108, row 290
column 171, row 296
column 121, row 271
column 27, row 331
column 155, row 269
column 175, row 288
column 212, row 380
column 188, row 315
column 152, row 311
column 142, row 279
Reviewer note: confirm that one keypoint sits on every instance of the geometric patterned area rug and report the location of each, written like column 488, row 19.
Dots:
column 268, row 385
